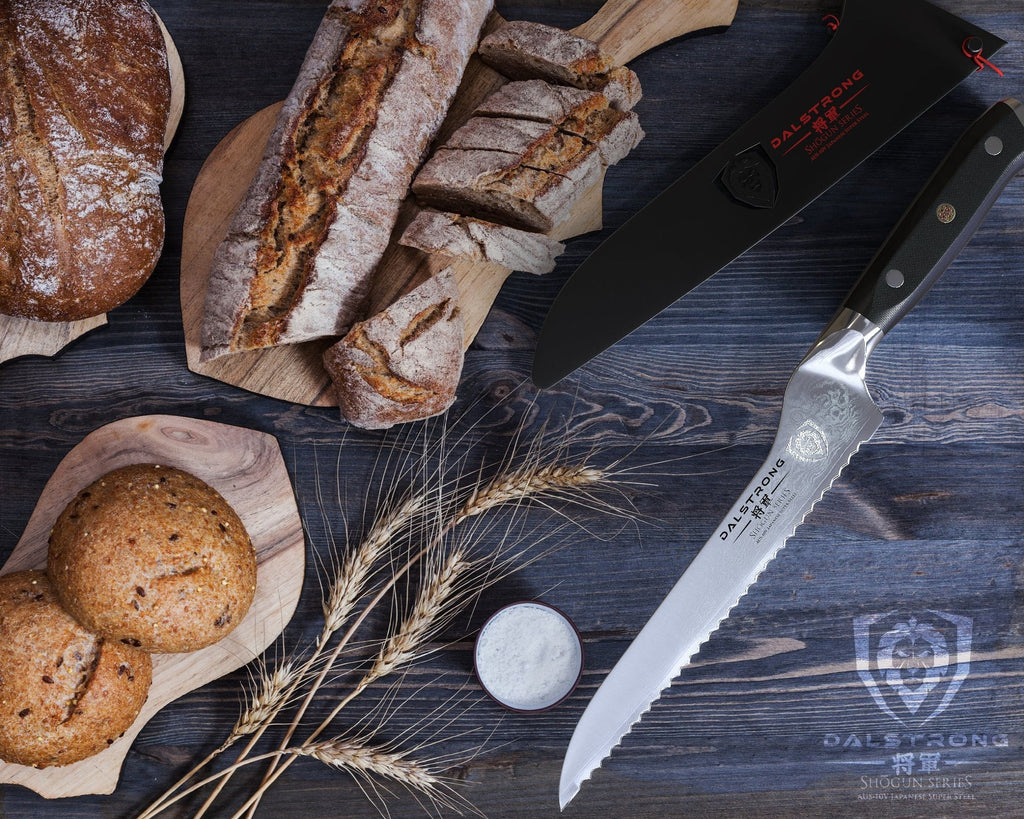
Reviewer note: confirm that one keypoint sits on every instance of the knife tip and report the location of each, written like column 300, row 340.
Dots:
column 566, row 794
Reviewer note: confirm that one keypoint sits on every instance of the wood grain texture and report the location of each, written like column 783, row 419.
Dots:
column 247, row 469
column 20, row 336
column 295, row 372
column 927, row 517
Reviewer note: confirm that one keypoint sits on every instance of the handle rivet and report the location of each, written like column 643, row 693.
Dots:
column 894, row 278
column 993, row 146
column 945, row 213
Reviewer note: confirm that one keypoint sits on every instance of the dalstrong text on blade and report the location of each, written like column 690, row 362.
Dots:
column 754, row 505
column 827, row 413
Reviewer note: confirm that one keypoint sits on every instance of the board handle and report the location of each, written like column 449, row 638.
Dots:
column 627, row 28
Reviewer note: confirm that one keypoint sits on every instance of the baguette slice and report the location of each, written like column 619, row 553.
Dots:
column 301, row 249
column 451, row 234
column 523, row 173
column 537, row 100
column 523, row 50
column 404, row 363
column 503, row 187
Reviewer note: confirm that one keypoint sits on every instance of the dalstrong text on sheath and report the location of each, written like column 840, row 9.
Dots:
column 828, row 100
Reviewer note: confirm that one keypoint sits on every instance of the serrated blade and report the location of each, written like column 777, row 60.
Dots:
column 826, row 415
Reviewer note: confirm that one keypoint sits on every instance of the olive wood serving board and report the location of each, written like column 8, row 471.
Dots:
column 623, row 28
column 247, row 468
column 21, row 336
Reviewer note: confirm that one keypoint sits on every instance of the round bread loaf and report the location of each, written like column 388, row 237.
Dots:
column 154, row 557
column 86, row 93
column 65, row 694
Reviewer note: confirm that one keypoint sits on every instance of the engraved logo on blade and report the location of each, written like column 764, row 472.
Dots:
column 809, row 443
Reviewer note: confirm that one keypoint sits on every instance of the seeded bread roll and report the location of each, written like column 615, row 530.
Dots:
column 523, row 50
column 301, row 249
column 65, row 694
column 153, row 557
column 451, row 234
column 404, row 363
column 84, row 100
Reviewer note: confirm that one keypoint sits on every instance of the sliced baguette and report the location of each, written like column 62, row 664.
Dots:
column 301, row 249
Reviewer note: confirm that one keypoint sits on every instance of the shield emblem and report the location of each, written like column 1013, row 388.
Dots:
column 750, row 178
column 809, row 443
column 913, row 666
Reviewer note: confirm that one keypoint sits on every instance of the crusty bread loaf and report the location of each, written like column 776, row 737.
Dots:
column 451, row 234
column 154, row 557
column 404, row 363
column 373, row 90
column 526, row 173
column 523, row 50
column 84, row 101
column 65, row 694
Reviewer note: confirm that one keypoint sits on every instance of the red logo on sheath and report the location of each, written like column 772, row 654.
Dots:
column 823, row 113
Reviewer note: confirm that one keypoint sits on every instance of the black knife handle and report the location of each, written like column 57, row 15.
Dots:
column 943, row 217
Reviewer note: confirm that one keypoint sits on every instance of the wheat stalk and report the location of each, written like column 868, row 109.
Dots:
column 432, row 602
column 530, row 482
column 349, row 584
column 266, row 701
column 526, row 483
column 451, row 578
column 268, row 698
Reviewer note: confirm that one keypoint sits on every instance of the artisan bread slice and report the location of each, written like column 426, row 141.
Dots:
column 451, row 234
column 537, row 100
column 84, row 100
column 523, row 173
column 301, row 248
column 523, row 50
column 504, row 188
column 404, row 363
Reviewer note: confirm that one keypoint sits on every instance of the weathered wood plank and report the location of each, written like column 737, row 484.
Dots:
column 925, row 519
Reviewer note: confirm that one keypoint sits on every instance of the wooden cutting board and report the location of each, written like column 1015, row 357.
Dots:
column 246, row 467
column 623, row 28
column 20, row 336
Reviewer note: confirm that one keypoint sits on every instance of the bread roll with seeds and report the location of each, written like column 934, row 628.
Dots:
column 65, row 694
column 153, row 557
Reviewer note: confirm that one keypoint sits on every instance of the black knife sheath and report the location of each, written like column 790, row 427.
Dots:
column 887, row 63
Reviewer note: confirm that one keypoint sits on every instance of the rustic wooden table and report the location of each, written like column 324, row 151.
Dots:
column 773, row 719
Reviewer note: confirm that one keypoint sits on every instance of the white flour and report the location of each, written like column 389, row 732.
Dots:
column 528, row 656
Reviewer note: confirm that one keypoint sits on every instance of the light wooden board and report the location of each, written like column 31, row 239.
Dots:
column 294, row 373
column 21, row 336
column 246, row 467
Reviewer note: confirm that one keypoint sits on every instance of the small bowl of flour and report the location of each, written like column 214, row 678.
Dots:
column 528, row 656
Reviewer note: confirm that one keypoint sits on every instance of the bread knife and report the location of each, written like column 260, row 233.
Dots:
column 827, row 414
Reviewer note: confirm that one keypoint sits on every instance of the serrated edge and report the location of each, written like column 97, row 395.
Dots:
column 629, row 729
